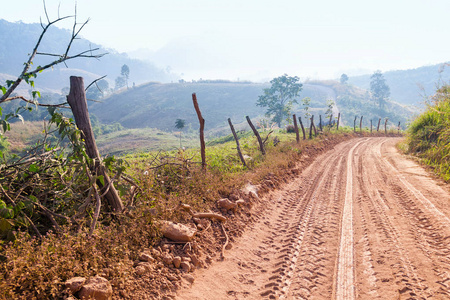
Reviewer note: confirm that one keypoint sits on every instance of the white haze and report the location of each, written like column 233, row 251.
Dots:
column 259, row 39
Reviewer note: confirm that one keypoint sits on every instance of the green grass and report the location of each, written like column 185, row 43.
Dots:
column 429, row 134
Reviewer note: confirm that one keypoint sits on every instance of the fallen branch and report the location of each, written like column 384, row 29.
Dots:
column 188, row 208
column 222, row 255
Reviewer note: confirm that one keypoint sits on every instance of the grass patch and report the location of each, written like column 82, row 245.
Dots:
column 429, row 134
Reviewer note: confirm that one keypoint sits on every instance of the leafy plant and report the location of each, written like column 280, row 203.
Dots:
column 280, row 97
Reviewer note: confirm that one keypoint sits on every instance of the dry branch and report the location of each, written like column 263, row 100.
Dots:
column 208, row 215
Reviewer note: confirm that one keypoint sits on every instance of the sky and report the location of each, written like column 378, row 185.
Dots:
column 259, row 39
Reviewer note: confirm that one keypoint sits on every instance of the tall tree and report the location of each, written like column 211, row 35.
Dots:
column 379, row 88
column 344, row 78
column 179, row 124
column 280, row 97
column 125, row 72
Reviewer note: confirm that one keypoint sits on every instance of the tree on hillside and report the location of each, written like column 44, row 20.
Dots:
column 379, row 89
column 179, row 124
column 120, row 82
column 125, row 72
column 344, row 78
column 280, row 97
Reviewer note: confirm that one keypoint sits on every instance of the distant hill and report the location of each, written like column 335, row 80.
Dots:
column 409, row 86
column 18, row 40
column 156, row 105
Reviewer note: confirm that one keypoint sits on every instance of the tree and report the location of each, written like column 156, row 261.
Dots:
column 379, row 89
column 344, row 78
column 280, row 97
column 179, row 124
column 120, row 82
column 125, row 72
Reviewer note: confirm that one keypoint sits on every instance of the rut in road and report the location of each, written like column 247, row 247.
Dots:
column 361, row 222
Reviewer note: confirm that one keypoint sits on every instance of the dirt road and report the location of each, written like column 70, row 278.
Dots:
column 361, row 222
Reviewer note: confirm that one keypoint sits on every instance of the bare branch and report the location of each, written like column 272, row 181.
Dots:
column 61, row 105
column 95, row 82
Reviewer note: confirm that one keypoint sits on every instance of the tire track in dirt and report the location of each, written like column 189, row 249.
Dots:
column 345, row 277
column 306, row 236
column 353, row 225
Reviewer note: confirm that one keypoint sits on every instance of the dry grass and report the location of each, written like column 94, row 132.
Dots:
column 37, row 269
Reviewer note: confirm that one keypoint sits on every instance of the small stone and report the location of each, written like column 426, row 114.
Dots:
column 74, row 284
column 148, row 266
column 156, row 253
column 186, row 258
column 97, row 288
column 167, row 259
column 172, row 277
column 177, row 232
column 208, row 259
column 177, row 262
column 189, row 278
column 229, row 246
column 140, row 270
column 226, row 204
column 195, row 260
column 185, row 266
column 146, row 257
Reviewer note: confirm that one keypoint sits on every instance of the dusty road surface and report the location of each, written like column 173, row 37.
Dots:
column 361, row 222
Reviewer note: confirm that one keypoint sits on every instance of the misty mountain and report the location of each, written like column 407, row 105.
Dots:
column 18, row 40
column 409, row 86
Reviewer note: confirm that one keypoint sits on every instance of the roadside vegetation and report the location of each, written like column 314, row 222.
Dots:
column 429, row 134
column 33, row 267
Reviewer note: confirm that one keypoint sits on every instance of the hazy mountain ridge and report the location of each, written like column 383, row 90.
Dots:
column 409, row 86
column 19, row 40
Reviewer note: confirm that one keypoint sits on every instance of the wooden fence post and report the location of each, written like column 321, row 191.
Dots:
column 297, row 134
column 331, row 117
column 354, row 124
column 238, row 147
column 78, row 104
column 303, row 128
column 202, row 128
column 371, row 126
column 258, row 137
column 320, row 122
column 398, row 128
column 339, row 117
column 385, row 126
column 378, row 127
column 360, row 124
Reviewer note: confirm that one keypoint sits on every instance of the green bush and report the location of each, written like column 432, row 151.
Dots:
column 429, row 133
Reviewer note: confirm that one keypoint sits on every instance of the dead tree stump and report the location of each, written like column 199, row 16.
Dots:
column 78, row 104
column 258, row 137
column 202, row 128
column 237, row 142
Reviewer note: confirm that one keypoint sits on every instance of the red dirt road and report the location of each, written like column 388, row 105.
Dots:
column 361, row 222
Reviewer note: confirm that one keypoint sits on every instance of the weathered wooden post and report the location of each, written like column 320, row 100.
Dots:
column 297, row 134
column 78, row 104
column 238, row 147
column 360, row 124
column 354, row 124
column 385, row 126
column 202, row 128
column 370, row 126
column 312, row 127
column 320, row 122
column 258, row 137
column 303, row 128
column 331, row 117
column 398, row 128
column 339, row 118
column 378, row 127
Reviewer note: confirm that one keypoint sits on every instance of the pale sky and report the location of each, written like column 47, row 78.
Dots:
column 260, row 39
